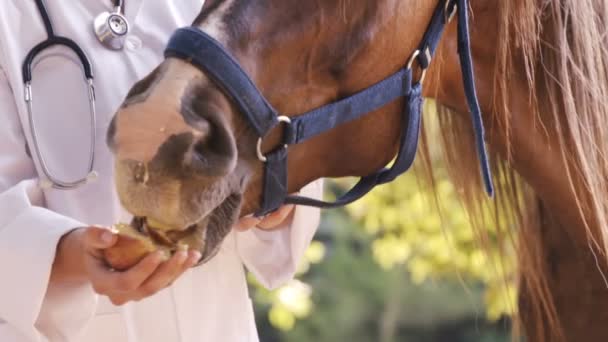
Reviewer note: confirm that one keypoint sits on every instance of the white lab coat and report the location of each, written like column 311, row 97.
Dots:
column 209, row 303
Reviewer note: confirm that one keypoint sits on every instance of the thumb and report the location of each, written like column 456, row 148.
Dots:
column 99, row 238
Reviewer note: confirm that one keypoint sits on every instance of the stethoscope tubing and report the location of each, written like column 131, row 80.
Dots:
column 50, row 42
column 54, row 40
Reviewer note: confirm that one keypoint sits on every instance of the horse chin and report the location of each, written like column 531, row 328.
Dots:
column 205, row 235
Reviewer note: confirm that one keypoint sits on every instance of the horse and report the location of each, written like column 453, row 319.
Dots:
column 187, row 157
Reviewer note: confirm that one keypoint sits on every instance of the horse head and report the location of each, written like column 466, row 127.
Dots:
column 186, row 158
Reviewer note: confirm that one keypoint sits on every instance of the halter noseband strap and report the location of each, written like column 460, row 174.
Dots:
column 201, row 50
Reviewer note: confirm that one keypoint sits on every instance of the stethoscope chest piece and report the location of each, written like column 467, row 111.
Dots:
column 111, row 28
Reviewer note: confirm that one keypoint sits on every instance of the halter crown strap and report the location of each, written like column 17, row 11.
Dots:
column 201, row 50
column 206, row 53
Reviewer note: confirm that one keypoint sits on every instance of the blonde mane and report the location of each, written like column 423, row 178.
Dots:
column 561, row 47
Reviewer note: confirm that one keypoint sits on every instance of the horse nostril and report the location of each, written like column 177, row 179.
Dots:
column 210, row 160
column 215, row 153
column 198, row 156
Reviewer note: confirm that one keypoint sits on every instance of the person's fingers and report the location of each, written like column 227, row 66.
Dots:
column 98, row 238
column 193, row 258
column 120, row 299
column 268, row 222
column 247, row 222
column 166, row 273
column 99, row 275
column 123, row 287
column 109, row 282
column 275, row 219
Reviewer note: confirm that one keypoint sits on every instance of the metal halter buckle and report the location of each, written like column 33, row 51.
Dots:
column 416, row 54
column 261, row 156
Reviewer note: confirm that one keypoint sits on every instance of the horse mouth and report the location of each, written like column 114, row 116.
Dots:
column 205, row 235
column 158, row 234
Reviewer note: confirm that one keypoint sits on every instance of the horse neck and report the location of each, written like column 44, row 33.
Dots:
column 533, row 113
column 562, row 281
column 562, row 251
column 522, row 122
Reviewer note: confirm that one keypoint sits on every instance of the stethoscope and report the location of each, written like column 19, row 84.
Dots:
column 111, row 29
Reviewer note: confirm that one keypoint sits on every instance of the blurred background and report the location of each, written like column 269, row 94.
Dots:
column 398, row 265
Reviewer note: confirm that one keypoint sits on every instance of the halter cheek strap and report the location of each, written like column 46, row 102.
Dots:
column 201, row 50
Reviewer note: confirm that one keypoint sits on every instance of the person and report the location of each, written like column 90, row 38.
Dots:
column 53, row 285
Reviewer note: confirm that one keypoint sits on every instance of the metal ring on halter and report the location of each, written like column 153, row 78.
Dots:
column 450, row 15
column 261, row 157
column 50, row 181
column 427, row 55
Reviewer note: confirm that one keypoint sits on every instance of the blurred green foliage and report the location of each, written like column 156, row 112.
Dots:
column 440, row 245
column 353, row 298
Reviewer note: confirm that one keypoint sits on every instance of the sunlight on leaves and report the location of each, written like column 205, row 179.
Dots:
column 281, row 318
column 295, row 297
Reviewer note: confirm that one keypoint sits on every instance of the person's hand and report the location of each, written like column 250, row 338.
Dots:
column 79, row 258
column 271, row 221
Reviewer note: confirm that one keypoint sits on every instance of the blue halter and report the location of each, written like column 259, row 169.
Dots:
column 204, row 52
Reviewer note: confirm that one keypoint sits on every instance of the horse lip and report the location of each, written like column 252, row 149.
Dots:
column 219, row 220
column 139, row 223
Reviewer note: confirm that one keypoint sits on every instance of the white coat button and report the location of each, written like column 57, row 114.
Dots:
column 133, row 43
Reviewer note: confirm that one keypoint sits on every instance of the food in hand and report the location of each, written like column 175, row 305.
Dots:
column 138, row 239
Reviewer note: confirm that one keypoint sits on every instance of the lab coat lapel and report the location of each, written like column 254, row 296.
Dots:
column 183, row 293
column 150, row 322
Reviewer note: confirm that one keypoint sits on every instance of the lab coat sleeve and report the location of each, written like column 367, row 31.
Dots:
column 29, row 234
column 273, row 256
